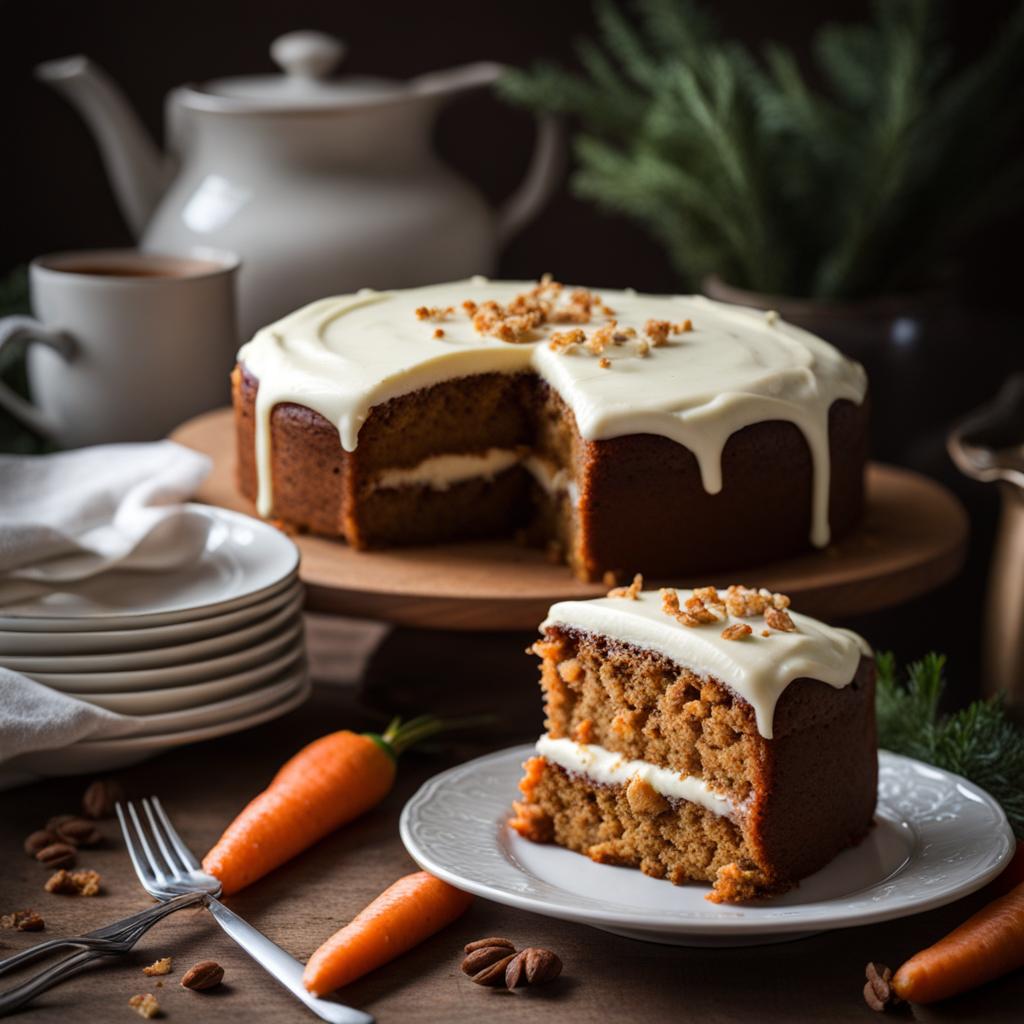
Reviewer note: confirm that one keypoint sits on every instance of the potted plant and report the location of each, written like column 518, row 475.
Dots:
column 838, row 206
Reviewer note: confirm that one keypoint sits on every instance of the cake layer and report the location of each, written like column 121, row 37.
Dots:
column 678, row 840
column 605, row 768
column 710, row 371
column 757, row 668
column 619, row 510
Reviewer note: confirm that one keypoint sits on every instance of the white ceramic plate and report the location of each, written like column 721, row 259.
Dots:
column 274, row 692
column 244, row 561
column 161, row 657
column 176, row 698
column 937, row 838
column 173, row 675
column 107, row 755
column 99, row 641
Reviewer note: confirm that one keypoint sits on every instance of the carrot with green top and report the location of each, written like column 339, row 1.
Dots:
column 326, row 784
column 401, row 917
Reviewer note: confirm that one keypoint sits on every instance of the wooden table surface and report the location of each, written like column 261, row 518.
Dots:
column 606, row 977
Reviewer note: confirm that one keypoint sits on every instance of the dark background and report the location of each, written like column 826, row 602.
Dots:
column 57, row 196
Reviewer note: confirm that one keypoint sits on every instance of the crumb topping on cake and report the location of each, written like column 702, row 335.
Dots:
column 696, row 630
column 685, row 368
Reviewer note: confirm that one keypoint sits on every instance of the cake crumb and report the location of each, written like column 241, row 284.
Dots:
column 771, row 317
column 23, row 921
column 567, row 342
column 605, row 363
column 531, row 822
column 737, row 631
column 643, row 798
column 145, row 1005
column 778, row 618
column 435, row 313
column 734, row 884
column 584, row 731
column 73, row 883
column 632, row 592
column 438, row 332
column 746, row 602
column 766, row 632
column 161, row 966
column 570, row 670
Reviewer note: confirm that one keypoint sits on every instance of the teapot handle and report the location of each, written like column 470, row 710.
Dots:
column 542, row 177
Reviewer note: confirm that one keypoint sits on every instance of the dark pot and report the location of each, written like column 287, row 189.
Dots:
column 927, row 360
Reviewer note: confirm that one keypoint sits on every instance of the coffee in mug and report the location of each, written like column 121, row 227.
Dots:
column 124, row 345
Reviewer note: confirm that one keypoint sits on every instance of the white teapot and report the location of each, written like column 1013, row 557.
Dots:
column 321, row 185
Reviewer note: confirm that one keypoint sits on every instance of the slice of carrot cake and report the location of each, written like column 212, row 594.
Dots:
column 702, row 736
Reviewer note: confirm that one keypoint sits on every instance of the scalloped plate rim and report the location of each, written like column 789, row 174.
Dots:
column 798, row 920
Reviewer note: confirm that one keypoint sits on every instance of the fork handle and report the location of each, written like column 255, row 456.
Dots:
column 53, row 975
column 109, row 941
column 282, row 966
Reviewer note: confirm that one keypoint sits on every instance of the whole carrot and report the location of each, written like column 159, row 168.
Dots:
column 986, row 946
column 326, row 784
column 401, row 917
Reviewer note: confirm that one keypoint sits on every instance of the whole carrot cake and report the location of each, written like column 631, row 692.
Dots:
column 702, row 736
column 667, row 434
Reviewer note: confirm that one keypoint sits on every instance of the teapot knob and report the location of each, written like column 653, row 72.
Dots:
column 307, row 53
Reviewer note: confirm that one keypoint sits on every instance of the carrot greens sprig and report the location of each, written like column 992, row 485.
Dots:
column 326, row 784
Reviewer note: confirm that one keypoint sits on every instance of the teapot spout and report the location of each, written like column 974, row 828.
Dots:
column 137, row 170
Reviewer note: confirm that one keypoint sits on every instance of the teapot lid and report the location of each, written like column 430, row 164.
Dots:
column 307, row 59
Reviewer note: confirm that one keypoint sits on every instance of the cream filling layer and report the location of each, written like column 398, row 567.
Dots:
column 758, row 668
column 610, row 769
column 344, row 355
column 439, row 472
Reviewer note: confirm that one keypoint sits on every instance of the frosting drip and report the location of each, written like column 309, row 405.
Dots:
column 757, row 668
column 610, row 769
column 342, row 356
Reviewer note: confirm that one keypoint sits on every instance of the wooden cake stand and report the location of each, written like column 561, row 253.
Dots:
column 494, row 593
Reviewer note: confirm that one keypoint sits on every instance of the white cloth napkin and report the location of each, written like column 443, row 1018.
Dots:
column 72, row 515
column 34, row 717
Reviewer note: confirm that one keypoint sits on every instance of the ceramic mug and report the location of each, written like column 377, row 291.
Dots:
column 124, row 345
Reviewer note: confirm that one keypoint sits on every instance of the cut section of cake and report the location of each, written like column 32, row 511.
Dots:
column 702, row 736
column 482, row 408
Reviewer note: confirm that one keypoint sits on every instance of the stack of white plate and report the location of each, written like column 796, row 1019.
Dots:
column 204, row 650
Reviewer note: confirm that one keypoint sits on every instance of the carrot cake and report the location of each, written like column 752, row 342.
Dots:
column 629, row 432
column 702, row 736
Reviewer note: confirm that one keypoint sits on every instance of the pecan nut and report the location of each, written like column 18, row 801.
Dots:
column 532, row 966
column 56, row 855
column 99, row 799
column 494, row 974
column 40, row 840
column 492, row 941
column 80, row 832
column 203, row 975
column 481, row 958
column 878, row 993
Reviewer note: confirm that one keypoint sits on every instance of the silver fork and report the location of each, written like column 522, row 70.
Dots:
column 108, row 941
column 176, row 870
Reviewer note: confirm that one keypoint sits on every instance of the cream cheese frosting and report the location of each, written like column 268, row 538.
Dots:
column 341, row 356
column 757, row 668
column 439, row 472
column 607, row 768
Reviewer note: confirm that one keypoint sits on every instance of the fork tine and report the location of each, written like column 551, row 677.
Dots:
column 179, row 844
column 141, row 869
column 177, row 868
column 158, row 871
